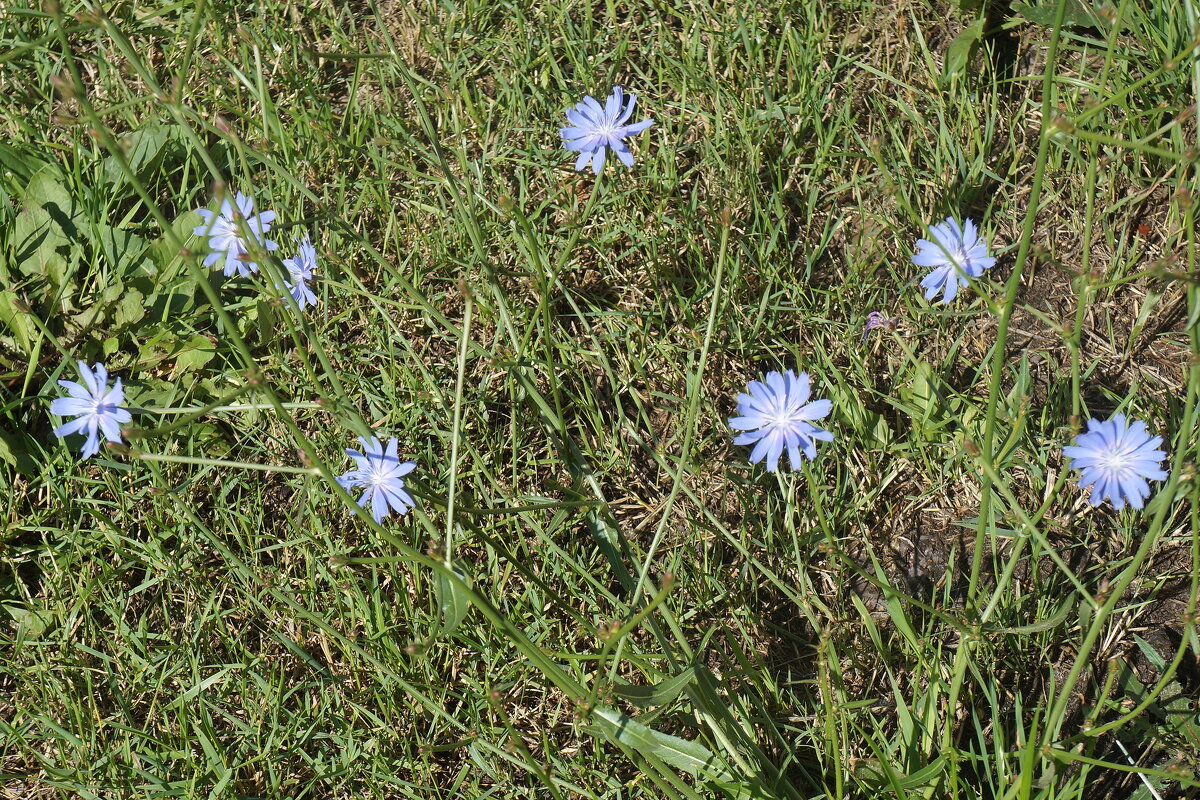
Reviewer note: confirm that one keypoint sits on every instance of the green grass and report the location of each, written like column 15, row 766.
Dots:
column 929, row 610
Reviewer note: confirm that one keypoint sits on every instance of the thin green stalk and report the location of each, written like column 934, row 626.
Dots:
column 1011, row 289
column 1163, row 501
column 705, row 710
column 1140, row 147
column 689, row 430
column 223, row 408
column 115, row 150
column 1032, row 532
column 1183, row 57
column 288, row 600
column 456, row 425
column 637, row 619
column 1168, row 674
column 216, row 462
column 966, row 645
column 1028, row 521
column 811, row 598
column 552, row 670
column 1083, row 283
column 180, row 114
column 192, row 414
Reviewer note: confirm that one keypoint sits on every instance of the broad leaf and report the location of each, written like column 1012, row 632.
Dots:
column 46, row 192
column 452, row 600
column 36, row 240
column 143, row 150
column 30, row 621
column 194, row 354
column 164, row 254
column 125, row 251
column 14, row 451
column 958, row 54
column 690, row 757
column 609, row 542
column 1077, row 14
column 658, row 694
column 21, row 163
column 131, row 308
column 17, row 322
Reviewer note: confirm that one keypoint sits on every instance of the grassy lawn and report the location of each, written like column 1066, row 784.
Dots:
column 596, row 594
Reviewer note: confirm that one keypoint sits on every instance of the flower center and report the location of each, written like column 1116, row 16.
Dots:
column 607, row 129
column 782, row 418
column 959, row 258
column 1115, row 461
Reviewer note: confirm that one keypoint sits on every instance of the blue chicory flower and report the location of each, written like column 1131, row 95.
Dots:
column 595, row 127
column 776, row 414
column 300, row 269
column 96, row 408
column 1117, row 460
column 956, row 255
column 380, row 472
column 225, row 240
